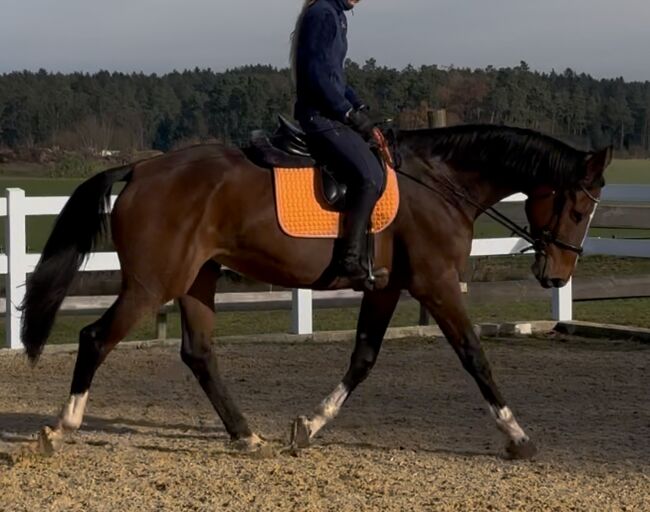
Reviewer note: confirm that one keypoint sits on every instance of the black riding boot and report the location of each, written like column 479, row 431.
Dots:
column 355, row 258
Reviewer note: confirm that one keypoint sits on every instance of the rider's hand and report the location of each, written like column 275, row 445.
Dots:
column 361, row 123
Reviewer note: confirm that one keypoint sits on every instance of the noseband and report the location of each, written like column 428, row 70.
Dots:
column 547, row 235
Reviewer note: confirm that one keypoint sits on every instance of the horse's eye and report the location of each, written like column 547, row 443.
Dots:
column 576, row 216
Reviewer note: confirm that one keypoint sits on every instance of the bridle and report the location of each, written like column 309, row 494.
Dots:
column 548, row 234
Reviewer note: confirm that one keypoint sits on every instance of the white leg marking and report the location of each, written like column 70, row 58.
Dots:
column 508, row 424
column 328, row 409
column 73, row 412
column 249, row 444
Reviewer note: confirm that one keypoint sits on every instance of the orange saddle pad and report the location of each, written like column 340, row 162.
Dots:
column 303, row 213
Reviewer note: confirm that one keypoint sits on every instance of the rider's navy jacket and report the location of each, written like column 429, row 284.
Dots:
column 321, row 50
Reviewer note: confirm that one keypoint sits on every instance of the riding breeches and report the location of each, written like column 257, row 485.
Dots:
column 345, row 152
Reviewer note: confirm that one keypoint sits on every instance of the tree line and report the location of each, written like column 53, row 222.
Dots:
column 138, row 111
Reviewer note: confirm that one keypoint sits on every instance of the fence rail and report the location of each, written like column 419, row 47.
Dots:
column 16, row 263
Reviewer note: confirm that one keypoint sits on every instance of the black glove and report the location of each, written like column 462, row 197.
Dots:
column 361, row 123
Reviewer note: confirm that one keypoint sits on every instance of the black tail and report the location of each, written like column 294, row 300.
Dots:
column 81, row 222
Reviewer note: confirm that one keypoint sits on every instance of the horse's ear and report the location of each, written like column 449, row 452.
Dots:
column 598, row 161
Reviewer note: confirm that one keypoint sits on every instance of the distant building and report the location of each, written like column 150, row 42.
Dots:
column 105, row 153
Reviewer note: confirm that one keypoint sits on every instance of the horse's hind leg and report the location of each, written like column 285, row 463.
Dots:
column 374, row 316
column 197, row 318
column 95, row 342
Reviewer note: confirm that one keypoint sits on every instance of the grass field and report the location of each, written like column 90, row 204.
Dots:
column 629, row 171
column 625, row 312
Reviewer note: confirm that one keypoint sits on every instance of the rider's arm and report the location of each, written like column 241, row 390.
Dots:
column 321, row 38
column 351, row 96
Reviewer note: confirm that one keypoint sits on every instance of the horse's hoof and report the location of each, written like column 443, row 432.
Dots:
column 520, row 451
column 49, row 441
column 300, row 433
column 248, row 444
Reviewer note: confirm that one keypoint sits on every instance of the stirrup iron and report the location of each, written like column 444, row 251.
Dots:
column 371, row 280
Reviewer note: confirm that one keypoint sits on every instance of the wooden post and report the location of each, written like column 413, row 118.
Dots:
column 161, row 324
column 435, row 119
column 431, row 119
column 440, row 118
column 425, row 318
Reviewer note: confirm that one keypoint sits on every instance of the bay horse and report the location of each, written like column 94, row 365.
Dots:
column 183, row 215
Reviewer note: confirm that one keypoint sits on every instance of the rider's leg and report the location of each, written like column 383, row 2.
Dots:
column 348, row 154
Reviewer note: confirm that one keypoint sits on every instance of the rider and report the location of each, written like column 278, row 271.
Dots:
column 332, row 116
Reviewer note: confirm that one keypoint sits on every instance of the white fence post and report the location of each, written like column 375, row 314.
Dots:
column 301, row 312
column 563, row 302
column 16, row 247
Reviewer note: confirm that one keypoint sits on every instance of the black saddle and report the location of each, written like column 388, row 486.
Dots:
column 287, row 148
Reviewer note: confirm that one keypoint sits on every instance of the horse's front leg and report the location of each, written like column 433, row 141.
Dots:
column 442, row 297
column 376, row 311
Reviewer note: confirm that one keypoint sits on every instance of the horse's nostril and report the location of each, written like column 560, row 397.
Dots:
column 558, row 283
column 546, row 282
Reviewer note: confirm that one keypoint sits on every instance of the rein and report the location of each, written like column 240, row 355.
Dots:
column 386, row 140
column 539, row 244
column 386, row 137
column 489, row 211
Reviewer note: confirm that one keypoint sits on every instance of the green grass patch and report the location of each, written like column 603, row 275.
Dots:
column 629, row 171
column 41, row 186
column 505, row 268
column 487, row 228
column 633, row 312
column 69, row 165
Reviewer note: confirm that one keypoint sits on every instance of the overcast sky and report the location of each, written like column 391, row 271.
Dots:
column 605, row 38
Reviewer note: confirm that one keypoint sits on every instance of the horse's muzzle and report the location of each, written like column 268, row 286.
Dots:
column 540, row 269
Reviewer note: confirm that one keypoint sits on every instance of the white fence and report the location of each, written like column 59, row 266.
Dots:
column 16, row 263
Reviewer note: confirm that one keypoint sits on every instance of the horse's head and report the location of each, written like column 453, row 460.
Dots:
column 559, row 221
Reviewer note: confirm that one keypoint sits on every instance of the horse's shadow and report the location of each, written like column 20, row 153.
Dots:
column 382, row 448
column 23, row 427
column 17, row 427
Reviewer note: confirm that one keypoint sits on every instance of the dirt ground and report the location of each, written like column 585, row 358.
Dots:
column 415, row 436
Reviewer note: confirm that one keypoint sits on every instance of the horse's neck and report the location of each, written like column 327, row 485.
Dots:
column 482, row 189
column 480, row 186
column 470, row 190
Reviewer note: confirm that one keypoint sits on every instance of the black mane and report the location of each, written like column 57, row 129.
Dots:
column 525, row 157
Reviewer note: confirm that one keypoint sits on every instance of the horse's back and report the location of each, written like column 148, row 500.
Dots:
column 207, row 159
